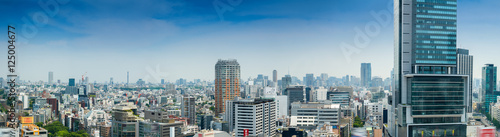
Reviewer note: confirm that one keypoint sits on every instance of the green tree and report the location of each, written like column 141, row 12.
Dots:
column 39, row 124
column 63, row 133
column 212, row 108
column 55, row 127
column 26, row 114
column 358, row 122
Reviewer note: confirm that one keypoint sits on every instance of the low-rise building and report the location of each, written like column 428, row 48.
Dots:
column 312, row 114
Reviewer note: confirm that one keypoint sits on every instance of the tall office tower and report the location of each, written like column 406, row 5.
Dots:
column 162, row 81
column 275, row 76
column 324, row 79
column 51, row 77
column 71, row 82
column 127, row 77
column 227, row 83
column 366, row 74
column 489, row 82
column 465, row 67
column 429, row 98
column 111, row 80
column 295, row 94
column 188, row 109
column 258, row 116
column 286, row 81
column 309, row 80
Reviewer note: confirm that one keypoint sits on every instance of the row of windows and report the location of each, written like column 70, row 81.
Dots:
column 435, row 42
column 437, row 120
column 436, row 17
column 436, row 61
column 435, row 57
column 435, row 52
column 419, row 93
column 436, row 12
column 438, row 1
column 437, row 6
column 435, row 27
column 436, row 47
column 437, row 22
column 437, row 32
column 437, row 107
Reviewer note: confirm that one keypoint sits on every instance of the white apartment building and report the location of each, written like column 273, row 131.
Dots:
column 258, row 116
column 314, row 114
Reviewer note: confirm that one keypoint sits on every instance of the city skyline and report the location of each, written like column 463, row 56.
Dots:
column 72, row 42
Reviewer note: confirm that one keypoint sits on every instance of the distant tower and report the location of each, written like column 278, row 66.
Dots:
column 366, row 74
column 275, row 76
column 111, row 80
column 71, row 82
column 51, row 77
column 309, row 80
column 227, row 83
column 127, row 78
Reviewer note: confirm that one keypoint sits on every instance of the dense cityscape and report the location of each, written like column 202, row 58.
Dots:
column 431, row 91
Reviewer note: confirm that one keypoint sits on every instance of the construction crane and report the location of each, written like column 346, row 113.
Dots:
column 84, row 76
column 138, row 99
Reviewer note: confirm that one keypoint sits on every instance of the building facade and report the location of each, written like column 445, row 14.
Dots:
column 313, row 114
column 429, row 97
column 366, row 74
column 489, row 86
column 258, row 116
column 227, row 83
column 188, row 109
column 465, row 64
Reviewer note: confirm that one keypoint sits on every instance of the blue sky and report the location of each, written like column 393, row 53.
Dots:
column 156, row 39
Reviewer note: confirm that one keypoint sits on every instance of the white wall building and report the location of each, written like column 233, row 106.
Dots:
column 314, row 114
column 258, row 116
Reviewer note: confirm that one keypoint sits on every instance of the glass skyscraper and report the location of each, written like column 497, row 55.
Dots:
column 489, row 86
column 366, row 74
column 429, row 97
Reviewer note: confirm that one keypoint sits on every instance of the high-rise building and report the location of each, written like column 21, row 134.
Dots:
column 489, row 86
column 465, row 67
column 204, row 121
column 429, row 98
column 366, row 74
column 323, row 79
column 127, row 78
column 295, row 94
column 71, row 82
column 309, row 80
column 111, row 81
column 286, row 81
column 257, row 116
column 227, row 83
column 275, row 76
column 51, row 77
column 188, row 109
